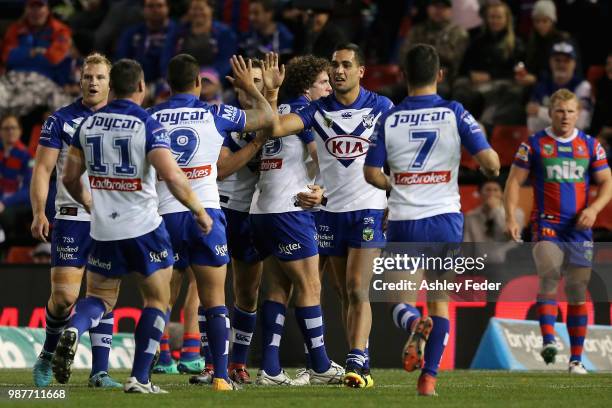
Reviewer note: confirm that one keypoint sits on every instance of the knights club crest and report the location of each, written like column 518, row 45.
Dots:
column 368, row 121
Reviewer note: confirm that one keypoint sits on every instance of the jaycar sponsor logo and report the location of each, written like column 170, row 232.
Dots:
column 270, row 164
column 346, row 146
column 116, row 184
column 430, row 177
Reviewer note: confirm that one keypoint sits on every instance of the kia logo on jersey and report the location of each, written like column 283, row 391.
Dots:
column 346, row 146
column 430, row 177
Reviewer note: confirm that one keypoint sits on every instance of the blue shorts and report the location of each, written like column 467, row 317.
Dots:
column 353, row 229
column 239, row 236
column 444, row 230
column 191, row 246
column 286, row 236
column 144, row 254
column 577, row 245
column 70, row 243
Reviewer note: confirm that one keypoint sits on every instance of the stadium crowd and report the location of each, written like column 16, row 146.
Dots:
column 501, row 60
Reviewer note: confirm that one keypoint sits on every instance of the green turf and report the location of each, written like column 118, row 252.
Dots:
column 393, row 388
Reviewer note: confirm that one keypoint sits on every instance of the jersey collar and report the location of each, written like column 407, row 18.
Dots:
column 550, row 133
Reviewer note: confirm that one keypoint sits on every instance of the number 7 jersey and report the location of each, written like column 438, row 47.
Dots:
column 420, row 140
column 115, row 142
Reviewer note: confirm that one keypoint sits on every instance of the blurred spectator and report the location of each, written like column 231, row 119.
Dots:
column 316, row 34
column 563, row 75
column 38, row 43
column 487, row 222
column 210, row 42
column 41, row 254
column 120, row 14
column 212, row 91
column 466, row 14
column 266, row 34
column 602, row 115
column 449, row 39
column 544, row 35
column 15, row 174
column 489, row 63
column 84, row 23
column 233, row 13
column 146, row 41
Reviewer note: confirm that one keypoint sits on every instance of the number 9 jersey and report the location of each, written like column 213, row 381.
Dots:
column 420, row 139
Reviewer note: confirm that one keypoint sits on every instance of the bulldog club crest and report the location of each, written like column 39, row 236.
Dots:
column 368, row 121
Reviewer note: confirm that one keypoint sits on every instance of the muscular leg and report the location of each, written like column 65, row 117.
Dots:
column 211, row 289
column 190, row 361
column 576, row 283
column 548, row 258
column 165, row 364
column 337, row 266
column 437, row 306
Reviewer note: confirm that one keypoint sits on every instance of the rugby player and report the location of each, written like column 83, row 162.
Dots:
column 123, row 148
column 561, row 161
column 420, row 140
column 197, row 132
column 349, row 225
column 70, row 240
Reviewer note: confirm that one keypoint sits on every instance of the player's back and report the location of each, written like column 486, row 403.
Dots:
column 197, row 131
column 423, row 137
column 57, row 133
column 236, row 190
column 115, row 141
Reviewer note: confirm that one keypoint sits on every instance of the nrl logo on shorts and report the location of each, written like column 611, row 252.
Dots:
column 368, row 234
column 368, row 121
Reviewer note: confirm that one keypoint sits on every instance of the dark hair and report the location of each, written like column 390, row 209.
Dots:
column 183, row 71
column 267, row 5
column 421, row 65
column 488, row 181
column 125, row 76
column 301, row 74
column 255, row 63
column 359, row 56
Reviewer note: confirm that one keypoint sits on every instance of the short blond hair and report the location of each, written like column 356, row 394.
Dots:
column 97, row 58
column 563, row 95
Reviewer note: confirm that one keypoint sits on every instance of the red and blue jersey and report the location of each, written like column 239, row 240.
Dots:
column 15, row 175
column 560, row 173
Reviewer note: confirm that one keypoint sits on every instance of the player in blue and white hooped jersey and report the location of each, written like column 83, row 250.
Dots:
column 123, row 149
column 70, row 241
column 197, row 132
column 420, row 140
column 350, row 222
column 285, row 233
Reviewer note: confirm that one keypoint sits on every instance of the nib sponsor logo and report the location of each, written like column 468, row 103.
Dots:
column 116, row 184
column 270, row 164
column 431, row 177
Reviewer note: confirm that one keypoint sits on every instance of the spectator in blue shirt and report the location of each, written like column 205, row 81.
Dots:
column 146, row 41
column 210, row 42
column 266, row 34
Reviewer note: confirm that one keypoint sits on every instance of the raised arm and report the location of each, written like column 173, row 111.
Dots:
column 228, row 163
column 261, row 115
column 44, row 162
column 179, row 185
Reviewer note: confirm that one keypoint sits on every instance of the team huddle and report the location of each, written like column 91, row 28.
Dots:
column 286, row 190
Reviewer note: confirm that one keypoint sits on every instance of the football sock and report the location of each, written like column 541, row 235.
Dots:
column 577, row 328
column 404, row 315
column 310, row 321
column 204, row 336
column 243, row 326
column 366, row 365
column 355, row 359
column 547, row 315
column 217, row 328
column 435, row 345
column 147, row 335
column 101, row 340
column 273, row 324
column 87, row 314
column 191, row 347
column 53, row 329
column 165, row 358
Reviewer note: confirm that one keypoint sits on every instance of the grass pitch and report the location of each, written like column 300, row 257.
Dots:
column 393, row 388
